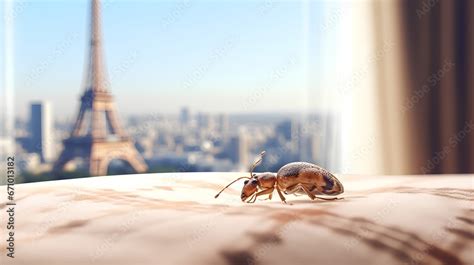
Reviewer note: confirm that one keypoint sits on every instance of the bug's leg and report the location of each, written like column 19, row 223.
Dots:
column 293, row 190
column 306, row 190
column 252, row 199
column 264, row 192
column 282, row 198
column 270, row 196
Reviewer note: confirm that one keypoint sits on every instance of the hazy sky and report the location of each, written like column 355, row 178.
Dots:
column 161, row 55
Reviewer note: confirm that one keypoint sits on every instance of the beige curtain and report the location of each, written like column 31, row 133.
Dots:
column 420, row 82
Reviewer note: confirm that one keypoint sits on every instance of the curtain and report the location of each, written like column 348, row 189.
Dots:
column 421, row 88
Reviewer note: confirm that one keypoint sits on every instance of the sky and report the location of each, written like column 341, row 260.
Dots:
column 215, row 56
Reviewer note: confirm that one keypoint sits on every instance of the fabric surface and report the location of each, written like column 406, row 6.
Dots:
column 174, row 219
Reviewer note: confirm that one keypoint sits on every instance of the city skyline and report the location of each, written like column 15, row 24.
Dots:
column 211, row 75
column 198, row 142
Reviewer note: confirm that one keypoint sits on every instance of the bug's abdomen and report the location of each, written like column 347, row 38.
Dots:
column 310, row 175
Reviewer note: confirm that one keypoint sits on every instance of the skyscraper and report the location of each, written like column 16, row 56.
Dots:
column 184, row 116
column 289, row 132
column 41, row 130
column 223, row 121
column 239, row 150
column 205, row 121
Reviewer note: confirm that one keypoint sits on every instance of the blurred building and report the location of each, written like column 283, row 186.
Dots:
column 41, row 131
column 223, row 125
column 206, row 122
column 288, row 133
column 238, row 150
column 184, row 116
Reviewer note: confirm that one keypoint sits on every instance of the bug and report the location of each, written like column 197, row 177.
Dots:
column 293, row 178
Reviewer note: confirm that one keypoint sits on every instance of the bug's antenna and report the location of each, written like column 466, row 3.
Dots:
column 217, row 195
column 257, row 162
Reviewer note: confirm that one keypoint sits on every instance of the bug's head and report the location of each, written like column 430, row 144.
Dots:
column 250, row 188
column 251, row 184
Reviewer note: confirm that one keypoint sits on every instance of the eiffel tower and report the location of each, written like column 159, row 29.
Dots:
column 97, row 136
